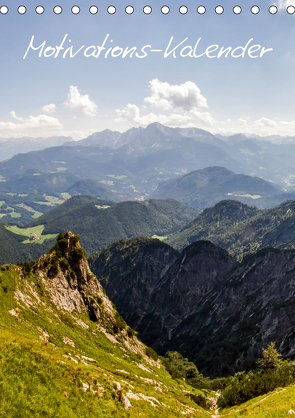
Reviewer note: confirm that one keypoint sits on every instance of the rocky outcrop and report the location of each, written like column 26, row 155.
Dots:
column 60, row 330
column 61, row 283
column 70, row 283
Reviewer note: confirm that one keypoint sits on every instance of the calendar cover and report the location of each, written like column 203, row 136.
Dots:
column 147, row 208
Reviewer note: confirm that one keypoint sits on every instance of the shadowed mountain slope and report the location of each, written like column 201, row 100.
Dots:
column 241, row 229
column 201, row 302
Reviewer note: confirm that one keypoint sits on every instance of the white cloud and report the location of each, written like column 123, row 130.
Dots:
column 75, row 100
column 49, row 108
column 181, row 106
column 288, row 124
column 183, row 97
column 188, row 119
column 15, row 117
column 130, row 113
column 265, row 122
column 181, row 102
column 42, row 126
column 263, row 127
column 31, row 125
column 282, row 4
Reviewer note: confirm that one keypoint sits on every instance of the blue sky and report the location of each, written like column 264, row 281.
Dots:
column 77, row 96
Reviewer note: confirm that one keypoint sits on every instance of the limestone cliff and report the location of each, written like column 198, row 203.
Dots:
column 130, row 270
column 71, row 285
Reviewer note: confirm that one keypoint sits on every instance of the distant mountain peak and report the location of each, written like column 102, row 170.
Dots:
column 233, row 139
column 157, row 127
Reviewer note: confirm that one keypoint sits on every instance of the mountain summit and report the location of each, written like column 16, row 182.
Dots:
column 67, row 268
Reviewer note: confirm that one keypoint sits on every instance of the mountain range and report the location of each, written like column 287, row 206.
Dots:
column 238, row 228
column 192, row 238
column 134, row 163
column 12, row 146
column 99, row 223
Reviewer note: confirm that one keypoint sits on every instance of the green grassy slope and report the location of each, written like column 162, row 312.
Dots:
column 56, row 362
column 12, row 250
column 275, row 404
column 75, row 210
column 37, row 181
column 98, row 222
column 220, row 224
column 25, row 207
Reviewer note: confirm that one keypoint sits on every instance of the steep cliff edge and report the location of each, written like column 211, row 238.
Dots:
column 71, row 285
column 254, row 306
column 154, row 287
column 130, row 270
column 204, row 304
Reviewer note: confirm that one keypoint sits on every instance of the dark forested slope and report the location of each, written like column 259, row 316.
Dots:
column 201, row 302
column 239, row 228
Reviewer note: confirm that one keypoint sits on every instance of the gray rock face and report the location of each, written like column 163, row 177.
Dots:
column 70, row 283
column 130, row 271
column 190, row 278
column 254, row 306
column 201, row 302
column 154, row 287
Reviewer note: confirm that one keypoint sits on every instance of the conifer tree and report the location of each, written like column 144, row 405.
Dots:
column 270, row 358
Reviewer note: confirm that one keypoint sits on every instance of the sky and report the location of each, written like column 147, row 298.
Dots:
column 73, row 75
